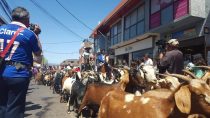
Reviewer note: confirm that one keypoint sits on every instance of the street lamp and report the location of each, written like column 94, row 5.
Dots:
column 206, row 30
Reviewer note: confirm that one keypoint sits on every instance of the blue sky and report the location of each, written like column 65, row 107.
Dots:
column 88, row 11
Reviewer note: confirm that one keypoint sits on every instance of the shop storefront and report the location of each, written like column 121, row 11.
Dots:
column 135, row 50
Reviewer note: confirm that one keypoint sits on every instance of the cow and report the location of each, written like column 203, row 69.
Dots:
column 160, row 103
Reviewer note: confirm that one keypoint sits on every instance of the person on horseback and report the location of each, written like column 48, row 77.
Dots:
column 101, row 59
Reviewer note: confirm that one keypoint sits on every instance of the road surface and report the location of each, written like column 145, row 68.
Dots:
column 41, row 103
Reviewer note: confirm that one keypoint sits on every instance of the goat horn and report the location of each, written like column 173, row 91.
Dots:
column 185, row 78
column 114, row 68
column 126, row 67
column 205, row 67
column 190, row 73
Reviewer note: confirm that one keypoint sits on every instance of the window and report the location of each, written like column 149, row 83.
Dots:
column 126, row 34
column 165, row 11
column 180, row 8
column 141, row 13
column 133, row 17
column 140, row 28
column 133, row 31
column 155, row 6
column 134, row 23
column 165, row 3
column 108, row 42
column 166, row 15
column 155, row 20
column 116, row 33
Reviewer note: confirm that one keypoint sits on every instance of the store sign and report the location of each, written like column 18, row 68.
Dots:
column 128, row 49
column 186, row 34
column 140, row 45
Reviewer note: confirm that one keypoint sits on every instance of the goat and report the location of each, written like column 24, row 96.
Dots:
column 160, row 103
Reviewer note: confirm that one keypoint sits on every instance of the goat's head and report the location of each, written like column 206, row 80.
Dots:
column 117, row 73
column 148, row 73
column 198, row 88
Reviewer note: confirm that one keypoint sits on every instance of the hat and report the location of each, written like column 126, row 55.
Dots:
column 173, row 42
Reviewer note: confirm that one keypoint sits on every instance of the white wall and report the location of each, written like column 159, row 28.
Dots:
column 197, row 8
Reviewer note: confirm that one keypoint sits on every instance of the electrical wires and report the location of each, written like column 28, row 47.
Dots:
column 62, row 42
column 55, row 19
column 51, row 52
column 74, row 16
column 80, row 21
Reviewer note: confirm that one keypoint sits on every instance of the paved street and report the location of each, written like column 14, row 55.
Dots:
column 41, row 103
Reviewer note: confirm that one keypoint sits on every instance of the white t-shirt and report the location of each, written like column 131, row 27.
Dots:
column 148, row 62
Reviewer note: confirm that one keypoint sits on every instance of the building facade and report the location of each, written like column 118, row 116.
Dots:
column 5, row 12
column 136, row 27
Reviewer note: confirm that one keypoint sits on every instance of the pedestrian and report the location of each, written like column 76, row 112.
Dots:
column 197, row 61
column 124, row 63
column 147, row 60
column 15, row 74
column 172, row 61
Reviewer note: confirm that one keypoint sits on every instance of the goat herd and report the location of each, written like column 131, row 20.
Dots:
column 132, row 93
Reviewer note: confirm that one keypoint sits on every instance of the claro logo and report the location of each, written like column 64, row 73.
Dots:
column 8, row 32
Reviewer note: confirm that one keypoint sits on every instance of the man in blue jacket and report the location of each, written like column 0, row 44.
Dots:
column 100, row 59
column 14, row 77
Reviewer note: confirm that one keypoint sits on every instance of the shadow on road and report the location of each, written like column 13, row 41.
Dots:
column 26, row 115
column 31, row 106
column 45, row 108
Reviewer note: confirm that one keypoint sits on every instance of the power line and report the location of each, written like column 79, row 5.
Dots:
column 59, row 52
column 6, row 9
column 80, row 21
column 62, row 42
column 74, row 16
column 55, row 19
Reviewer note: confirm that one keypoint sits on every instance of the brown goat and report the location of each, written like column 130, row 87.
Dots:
column 119, row 104
column 95, row 92
column 159, row 103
